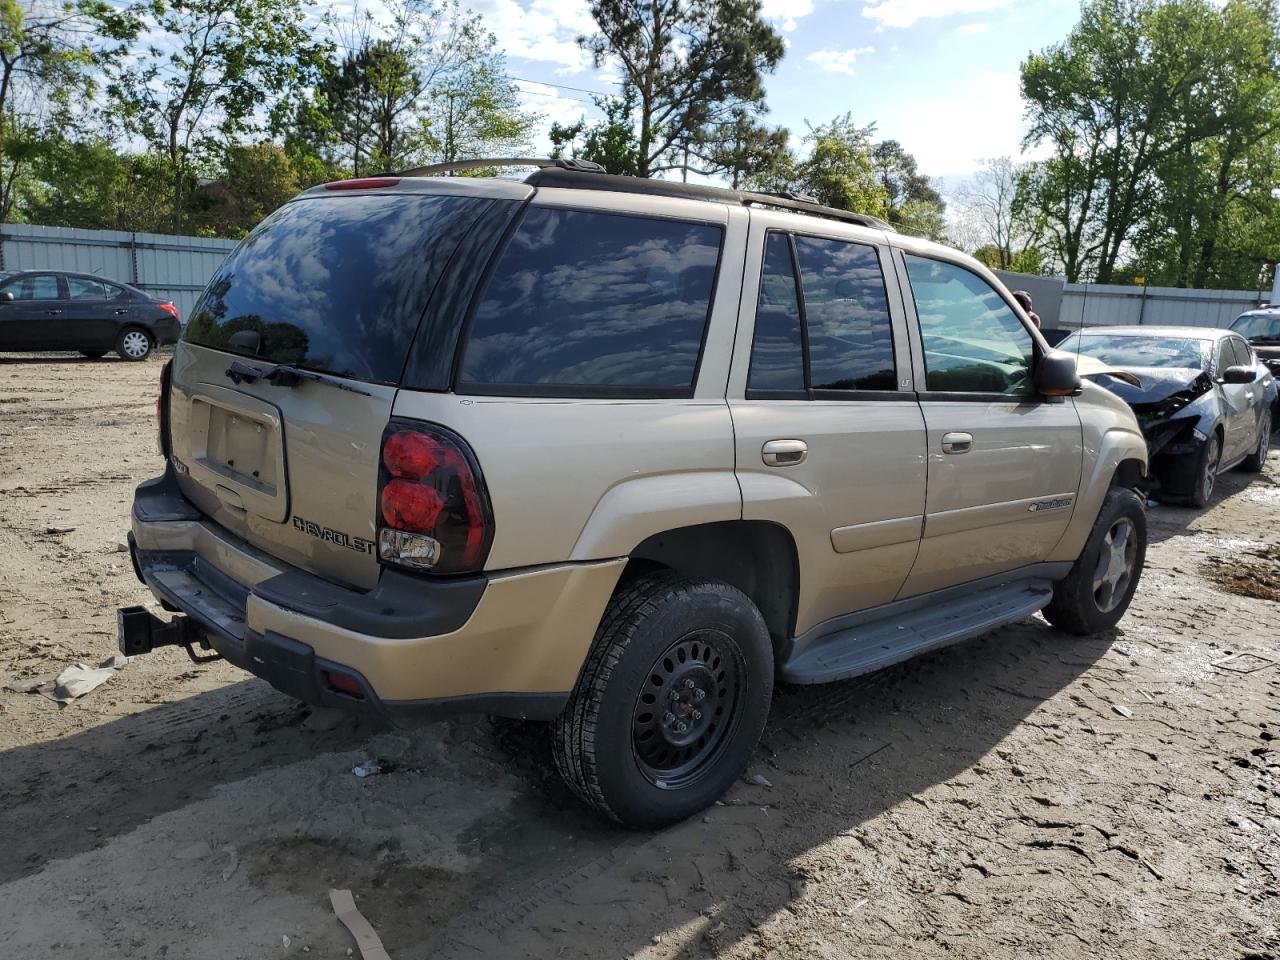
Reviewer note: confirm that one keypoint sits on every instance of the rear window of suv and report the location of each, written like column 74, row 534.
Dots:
column 593, row 304
column 335, row 284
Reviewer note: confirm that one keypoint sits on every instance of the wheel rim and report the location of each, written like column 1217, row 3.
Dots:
column 1210, row 478
column 1264, row 441
column 687, row 709
column 1117, row 559
column 135, row 344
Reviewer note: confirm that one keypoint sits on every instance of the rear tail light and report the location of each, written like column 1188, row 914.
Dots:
column 434, row 512
column 162, row 408
column 362, row 183
column 170, row 309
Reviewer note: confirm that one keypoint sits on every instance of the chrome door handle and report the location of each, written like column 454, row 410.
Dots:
column 784, row 453
column 957, row 442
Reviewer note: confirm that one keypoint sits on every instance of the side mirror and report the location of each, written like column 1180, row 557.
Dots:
column 6, row 296
column 1239, row 374
column 1056, row 375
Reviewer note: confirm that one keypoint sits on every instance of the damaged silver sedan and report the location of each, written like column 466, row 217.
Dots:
column 1202, row 396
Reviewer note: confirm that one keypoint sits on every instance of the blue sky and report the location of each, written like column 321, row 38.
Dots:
column 939, row 75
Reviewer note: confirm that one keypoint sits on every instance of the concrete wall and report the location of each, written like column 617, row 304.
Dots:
column 174, row 268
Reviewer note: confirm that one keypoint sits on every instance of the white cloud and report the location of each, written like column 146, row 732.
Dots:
column 972, row 28
column 950, row 135
column 546, row 31
column 786, row 13
column 904, row 13
column 838, row 61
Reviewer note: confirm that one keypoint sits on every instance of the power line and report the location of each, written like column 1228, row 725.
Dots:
column 562, row 86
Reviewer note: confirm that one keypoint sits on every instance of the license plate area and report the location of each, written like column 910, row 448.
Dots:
column 237, row 450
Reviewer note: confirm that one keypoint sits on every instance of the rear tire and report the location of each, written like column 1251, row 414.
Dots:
column 93, row 354
column 670, row 703
column 1097, row 591
column 1206, row 473
column 1255, row 462
column 134, row 343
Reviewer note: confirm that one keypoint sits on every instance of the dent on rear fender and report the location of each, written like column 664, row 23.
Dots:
column 632, row 511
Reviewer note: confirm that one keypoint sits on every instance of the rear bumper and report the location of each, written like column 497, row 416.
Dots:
column 509, row 644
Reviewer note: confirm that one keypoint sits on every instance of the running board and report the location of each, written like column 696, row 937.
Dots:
column 902, row 634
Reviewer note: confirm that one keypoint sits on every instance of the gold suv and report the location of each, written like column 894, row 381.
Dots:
column 618, row 454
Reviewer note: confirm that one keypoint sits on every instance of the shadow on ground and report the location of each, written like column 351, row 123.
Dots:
column 545, row 878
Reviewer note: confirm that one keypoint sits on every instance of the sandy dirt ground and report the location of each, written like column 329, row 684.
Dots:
column 1021, row 795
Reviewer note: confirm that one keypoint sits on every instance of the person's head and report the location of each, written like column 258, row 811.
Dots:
column 1024, row 299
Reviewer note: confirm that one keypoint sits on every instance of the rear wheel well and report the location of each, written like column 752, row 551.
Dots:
column 757, row 557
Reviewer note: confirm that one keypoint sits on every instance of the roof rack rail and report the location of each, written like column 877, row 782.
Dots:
column 453, row 166
column 575, row 178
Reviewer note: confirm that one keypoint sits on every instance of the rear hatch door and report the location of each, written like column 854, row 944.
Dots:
column 290, row 362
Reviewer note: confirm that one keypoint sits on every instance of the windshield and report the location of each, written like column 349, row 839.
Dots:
column 1131, row 351
column 1258, row 326
column 334, row 284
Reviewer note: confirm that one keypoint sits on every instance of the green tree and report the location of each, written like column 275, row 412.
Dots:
column 48, row 56
column 690, row 67
column 1001, row 223
column 610, row 142
column 838, row 171
column 223, row 62
column 915, row 207
column 255, row 180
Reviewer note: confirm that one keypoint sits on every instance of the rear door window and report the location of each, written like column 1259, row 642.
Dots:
column 79, row 288
column 846, row 313
column 593, row 304
column 335, row 284
column 40, row 286
column 777, row 350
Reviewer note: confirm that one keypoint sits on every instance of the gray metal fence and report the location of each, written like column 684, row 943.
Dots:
column 1073, row 305
column 175, row 268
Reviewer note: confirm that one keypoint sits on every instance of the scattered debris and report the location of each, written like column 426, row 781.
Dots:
column 372, row 768
column 756, row 780
column 1018, row 771
column 59, row 528
column 1123, row 711
column 344, row 905
column 285, row 941
column 30, row 685
column 1243, row 663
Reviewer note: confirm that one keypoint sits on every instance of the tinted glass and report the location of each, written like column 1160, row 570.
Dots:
column 43, row 286
column 1258, row 326
column 973, row 342
column 79, row 288
column 334, row 284
column 847, row 314
column 1126, row 351
column 1240, row 353
column 591, row 300
column 777, row 358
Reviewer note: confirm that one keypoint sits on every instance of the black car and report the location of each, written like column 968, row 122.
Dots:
column 53, row 310
column 1203, row 399
column 1261, row 328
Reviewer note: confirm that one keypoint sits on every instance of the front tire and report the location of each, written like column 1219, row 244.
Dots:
column 670, row 703
column 1206, row 473
column 1256, row 461
column 1100, row 586
column 135, row 344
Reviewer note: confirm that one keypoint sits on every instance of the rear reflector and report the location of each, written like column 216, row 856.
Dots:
column 343, row 683
column 362, row 183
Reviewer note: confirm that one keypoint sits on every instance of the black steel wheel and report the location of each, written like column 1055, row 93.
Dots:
column 685, row 712
column 670, row 703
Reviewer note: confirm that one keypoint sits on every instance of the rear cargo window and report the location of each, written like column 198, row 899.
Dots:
column 593, row 304
column 334, row 284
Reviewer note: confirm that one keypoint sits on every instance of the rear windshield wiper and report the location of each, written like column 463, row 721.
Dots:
column 284, row 375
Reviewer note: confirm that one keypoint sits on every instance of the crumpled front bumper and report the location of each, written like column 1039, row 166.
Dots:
column 508, row 643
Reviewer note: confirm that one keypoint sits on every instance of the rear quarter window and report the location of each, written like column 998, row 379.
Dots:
column 593, row 304
column 335, row 284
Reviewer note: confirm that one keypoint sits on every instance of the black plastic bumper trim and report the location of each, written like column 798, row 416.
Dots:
column 293, row 668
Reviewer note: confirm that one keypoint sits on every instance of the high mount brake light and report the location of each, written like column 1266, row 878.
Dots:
column 162, row 407
column 433, row 508
column 362, row 183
